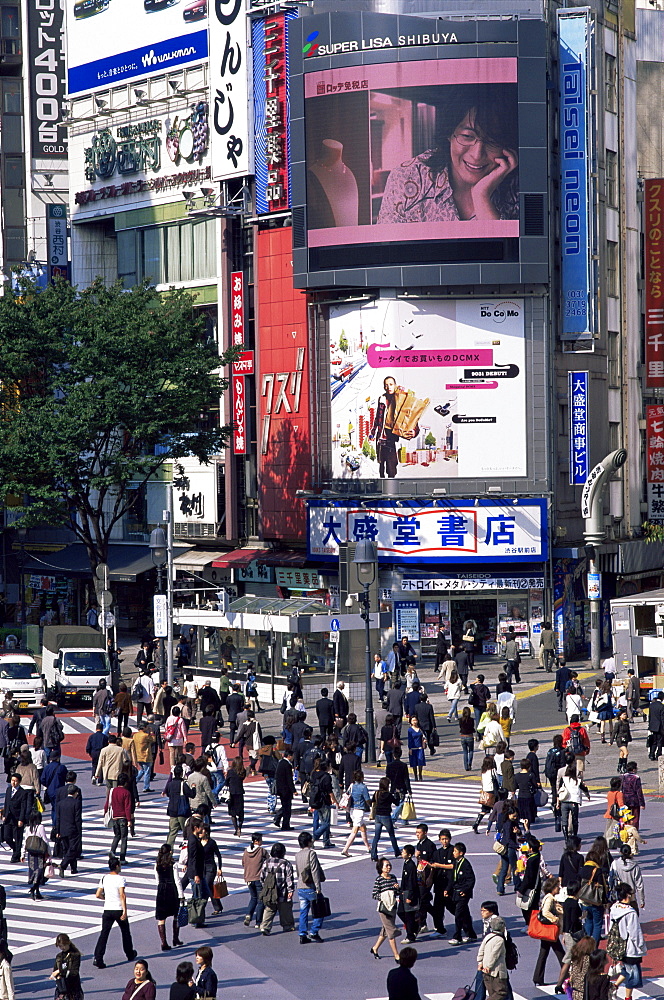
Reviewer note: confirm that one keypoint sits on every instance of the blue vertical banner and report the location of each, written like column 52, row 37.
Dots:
column 578, row 428
column 573, row 48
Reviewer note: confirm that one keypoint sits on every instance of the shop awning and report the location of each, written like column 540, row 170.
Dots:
column 197, row 559
column 298, row 616
column 237, row 558
column 287, row 557
column 125, row 562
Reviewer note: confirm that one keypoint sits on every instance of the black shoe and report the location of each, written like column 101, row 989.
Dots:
column 37, row 895
column 316, row 937
column 98, row 965
column 130, row 958
column 304, row 939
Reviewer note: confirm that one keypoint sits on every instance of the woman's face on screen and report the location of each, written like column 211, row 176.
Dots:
column 472, row 156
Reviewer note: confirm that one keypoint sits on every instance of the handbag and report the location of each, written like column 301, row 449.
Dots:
column 196, row 909
column 372, row 811
column 344, row 802
column 468, row 637
column 486, row 799
column 183, row 914
column 499, row 848
column 36, row 845
column 39, row 805
column 408, row 812
column 220, row 888
column 224, row 794
column 540, row 930
column 590, row 894
column 541, row 798
column 526, row 902
column 271, row 802
column 320, row 907
column 435, row 739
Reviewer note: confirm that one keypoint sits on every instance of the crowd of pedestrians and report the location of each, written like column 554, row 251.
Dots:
column 570, row 903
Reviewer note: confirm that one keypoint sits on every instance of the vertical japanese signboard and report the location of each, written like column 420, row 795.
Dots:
column 271, row 112
column 578, row 428
column 239, row 403
column 237, row 308
column 574, row 27
column 47, row 78
column 654, row 276
column 56, row 241
column 229, row 132
column 655, row 462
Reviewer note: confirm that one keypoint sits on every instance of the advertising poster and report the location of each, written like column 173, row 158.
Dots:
column 231, row 152
column 653, row 246
column 113, row 40
column 46, row 39
column 578, row 428
column 390, row 146
column 428, row 390
column 655, row 463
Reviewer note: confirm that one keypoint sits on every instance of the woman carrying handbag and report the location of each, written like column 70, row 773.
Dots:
column 529, row 884
column 489, row 790
column 66, row 970
column 167, row 904
column 386, row 893
column 549, row 916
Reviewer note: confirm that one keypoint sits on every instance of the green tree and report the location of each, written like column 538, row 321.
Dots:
column 430, row 440
column 343, row 343
column 98, row 389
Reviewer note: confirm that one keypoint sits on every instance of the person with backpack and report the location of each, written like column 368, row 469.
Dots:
column 625, row 943
column 622, row 735
column 355, row 734
column 321, row 800
column 577, row 742
column 553, row 762
column 52, row 733
column 492, row 960
column 569, row 791
column 178, row 809
column 277, row 879
column 102, row 706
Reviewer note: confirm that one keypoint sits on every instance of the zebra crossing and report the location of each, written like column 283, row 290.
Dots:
column 654, row 989
column 70, row 905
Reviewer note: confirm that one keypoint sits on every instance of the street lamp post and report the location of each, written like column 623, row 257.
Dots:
column 159, row 553
column 365, row 567
column 22, row 534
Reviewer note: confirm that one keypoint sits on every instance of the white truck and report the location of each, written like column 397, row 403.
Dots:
column 20, row 674
column 74, row 661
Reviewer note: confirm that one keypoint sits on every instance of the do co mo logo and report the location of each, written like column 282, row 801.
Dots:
column 499, row 311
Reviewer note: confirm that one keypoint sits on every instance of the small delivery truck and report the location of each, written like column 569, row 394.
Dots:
column 73, row 662
column 20, row 674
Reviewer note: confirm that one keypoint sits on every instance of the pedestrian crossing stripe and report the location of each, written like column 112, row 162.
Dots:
column 654, row 987
column 450, row 804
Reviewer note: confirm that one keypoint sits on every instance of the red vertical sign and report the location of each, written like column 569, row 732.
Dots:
column 239, row 415
column 276, row 109
column 654, row 278
column 237, row 308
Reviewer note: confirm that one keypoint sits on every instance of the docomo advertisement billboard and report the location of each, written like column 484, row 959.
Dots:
column 389, row 146
column 655, row 463
column 654, row 282
column 283, row 390
column 428, row 390
column 573, row 40
column 457, row 532
column 163, row 35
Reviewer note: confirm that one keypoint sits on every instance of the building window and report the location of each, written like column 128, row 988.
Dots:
column 14, row 244
column 13, row 171
column 612, row 268
column 11, row 97
column 610, row 83
column 614, row 360
column 10, row 30
column 614, row 436
column 611, row 173
column 126, row 240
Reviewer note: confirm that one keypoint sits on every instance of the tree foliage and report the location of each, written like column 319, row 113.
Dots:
column 98, row 389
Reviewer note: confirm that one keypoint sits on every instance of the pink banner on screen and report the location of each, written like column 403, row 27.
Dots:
column 471, row 385
column 430, row 71
column 386, row 356
column 396, row 232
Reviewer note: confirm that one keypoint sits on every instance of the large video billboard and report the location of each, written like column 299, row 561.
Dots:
column 113, row 40
column 428, row 389
column 422, row 150
column 419, row 151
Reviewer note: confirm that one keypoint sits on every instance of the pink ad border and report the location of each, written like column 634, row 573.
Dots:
column 425, row 72
column 399, row 232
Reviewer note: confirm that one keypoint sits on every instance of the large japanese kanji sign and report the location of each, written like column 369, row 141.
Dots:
column 655, row 462
column 457, row 532
column 654, row 277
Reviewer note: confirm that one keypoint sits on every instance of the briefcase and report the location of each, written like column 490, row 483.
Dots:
column 320, row 907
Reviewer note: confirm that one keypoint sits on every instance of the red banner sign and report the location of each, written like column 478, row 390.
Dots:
column 237, row 308
column 655, row 462
column 654, row 283
column 244, row 364
column 239, row 415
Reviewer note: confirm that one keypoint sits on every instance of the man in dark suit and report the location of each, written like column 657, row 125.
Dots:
column 70, row 826
column 340, row 703
column 325, row 713
column 285, row 789
column 15, row 815
column 234, row 706
column 395, row 698
column 463, row 883
column 656, row 725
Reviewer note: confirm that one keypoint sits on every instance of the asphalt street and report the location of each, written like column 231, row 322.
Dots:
column 252, row 966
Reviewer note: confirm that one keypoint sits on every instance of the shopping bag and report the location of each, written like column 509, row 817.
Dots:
column 541, row 798
column 408, row 812
column 183, row 914
column 196, row 911
column 271, row 802
column 224, row 795
column 220, row 888
column 541, row 931
column 320, row 907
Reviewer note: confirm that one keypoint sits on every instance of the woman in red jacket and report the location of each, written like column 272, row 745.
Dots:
column 121, row 810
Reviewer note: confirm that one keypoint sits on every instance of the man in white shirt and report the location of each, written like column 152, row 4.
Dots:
column 216, row 754
column 112, row 890
column 380, row 673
